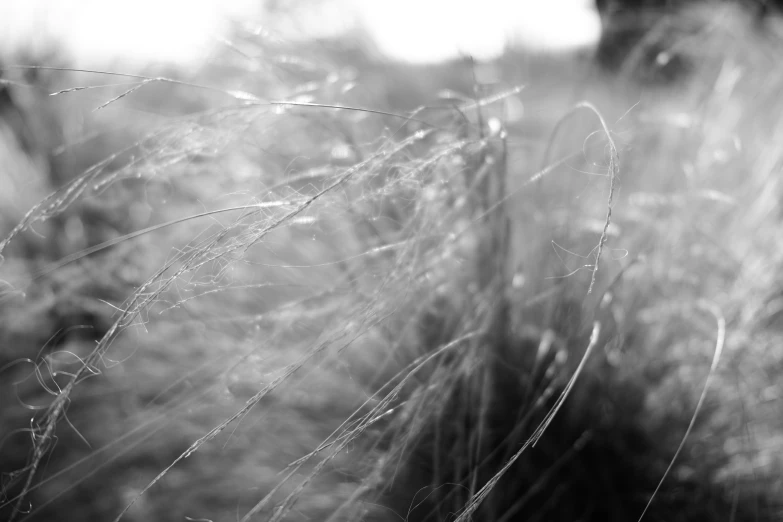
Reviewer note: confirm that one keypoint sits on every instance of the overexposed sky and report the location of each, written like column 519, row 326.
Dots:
column 182, row 31
column 427, row 30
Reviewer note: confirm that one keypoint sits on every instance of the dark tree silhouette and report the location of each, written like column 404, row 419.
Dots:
column 628, row 25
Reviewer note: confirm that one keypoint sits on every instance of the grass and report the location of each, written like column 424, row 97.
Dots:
column 359, row 301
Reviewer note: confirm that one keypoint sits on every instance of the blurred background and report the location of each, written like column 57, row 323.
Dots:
column 186, row 32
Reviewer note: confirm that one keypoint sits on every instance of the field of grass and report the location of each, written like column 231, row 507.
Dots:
column 303, row 283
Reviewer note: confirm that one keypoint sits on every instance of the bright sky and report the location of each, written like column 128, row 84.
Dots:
column 422, row 30
column 183, row 30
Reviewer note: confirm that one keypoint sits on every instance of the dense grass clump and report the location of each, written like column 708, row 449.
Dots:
column 311, row 285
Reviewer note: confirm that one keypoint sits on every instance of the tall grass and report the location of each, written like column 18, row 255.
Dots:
column 284, row 295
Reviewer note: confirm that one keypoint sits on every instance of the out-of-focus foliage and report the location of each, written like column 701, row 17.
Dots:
column 371, row 287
